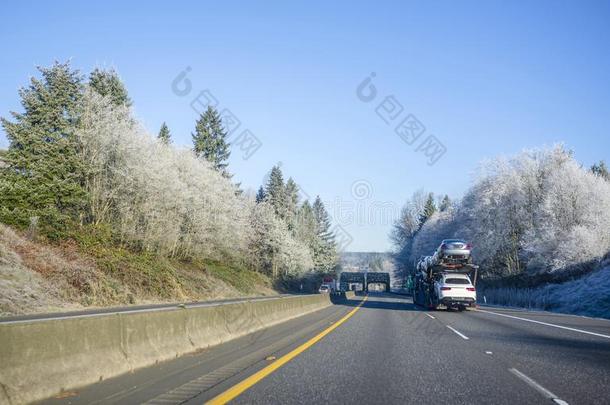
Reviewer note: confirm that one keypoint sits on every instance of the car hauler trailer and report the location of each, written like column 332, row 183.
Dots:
column 426, row 295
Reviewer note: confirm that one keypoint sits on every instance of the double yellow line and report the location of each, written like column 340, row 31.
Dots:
column 239, row 388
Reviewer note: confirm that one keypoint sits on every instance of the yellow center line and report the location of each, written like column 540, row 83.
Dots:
column 239, row 388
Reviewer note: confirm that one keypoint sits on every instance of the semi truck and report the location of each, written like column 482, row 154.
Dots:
column 438, row 285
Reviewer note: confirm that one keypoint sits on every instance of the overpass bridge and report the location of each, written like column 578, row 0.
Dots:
column 371, row 277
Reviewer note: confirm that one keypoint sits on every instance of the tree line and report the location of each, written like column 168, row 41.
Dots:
column 539, row 212
column 78, row 158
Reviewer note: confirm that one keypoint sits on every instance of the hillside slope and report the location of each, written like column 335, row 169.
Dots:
column 84, row 272
column 586, row 295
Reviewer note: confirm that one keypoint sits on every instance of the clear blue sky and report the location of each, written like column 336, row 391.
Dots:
column 487, row 78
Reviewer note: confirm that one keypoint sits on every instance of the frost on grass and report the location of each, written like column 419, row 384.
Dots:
column 22, row 290
column 40, row 277
column 587, row 295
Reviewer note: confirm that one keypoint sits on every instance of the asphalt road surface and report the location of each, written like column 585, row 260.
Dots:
column 385, row 350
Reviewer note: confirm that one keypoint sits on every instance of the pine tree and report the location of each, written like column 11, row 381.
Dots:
column 322, row 219
column 276, row 192
column 164, row 135
column 260, row 195
column 292, row 203
column 429, row 210
column 43, row 173
column 445, row 204
column 108, row 84
column 325, row 250
column 306, row 225
column 209, row 140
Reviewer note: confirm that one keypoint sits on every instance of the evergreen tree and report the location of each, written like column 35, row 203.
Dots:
column 445, row 204
column 108, row 84
column 260, row 195
column 43, row 174
column 164, row 135
column 292, row 203
column 325, row 250
column 601, row 170
column 276, row 192
column 322, row 220
column 209, row 140
column 307, row 226
column 429, row 210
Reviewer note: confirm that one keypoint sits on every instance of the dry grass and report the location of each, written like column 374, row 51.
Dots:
column 21, row 289
column 42, row 277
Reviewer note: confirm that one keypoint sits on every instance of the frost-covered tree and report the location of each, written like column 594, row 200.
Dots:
column 275, row 191
column 429, row 210
column 209, row 140
column 536, row 212
column 164, row 134
column 306, row 225
column 406, row 227
column 157, row 197
column 325, row 249
column 43, row 174
column 170, row 202
column 107, row 83
column 440, row 225
column 407, row 224
column 273, row 247
column 292, row 203
column 445, row 203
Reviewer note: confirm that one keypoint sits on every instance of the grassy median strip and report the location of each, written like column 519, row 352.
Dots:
column 239, row 388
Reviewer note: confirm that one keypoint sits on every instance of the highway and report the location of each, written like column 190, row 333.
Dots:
column 383, row 349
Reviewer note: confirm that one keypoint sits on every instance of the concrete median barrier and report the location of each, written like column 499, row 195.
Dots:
column 42, row 358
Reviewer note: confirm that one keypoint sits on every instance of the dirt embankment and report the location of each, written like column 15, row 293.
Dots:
column 38, row 276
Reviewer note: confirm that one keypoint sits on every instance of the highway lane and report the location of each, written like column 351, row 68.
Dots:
column 209, row 370
column 391, row 352
column 571, row 363
column 388, row 351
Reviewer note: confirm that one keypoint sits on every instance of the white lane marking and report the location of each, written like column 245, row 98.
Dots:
column 547, row 324
column 458, row 333
column 537, row 387
column 488, row 352
column 429, row 316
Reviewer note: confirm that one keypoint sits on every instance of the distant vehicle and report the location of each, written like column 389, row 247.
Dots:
column 453, row 251
column 455, row 290
column 331, row 283
column 324, row 289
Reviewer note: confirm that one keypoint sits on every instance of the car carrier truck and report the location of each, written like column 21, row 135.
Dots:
column 445, row 286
